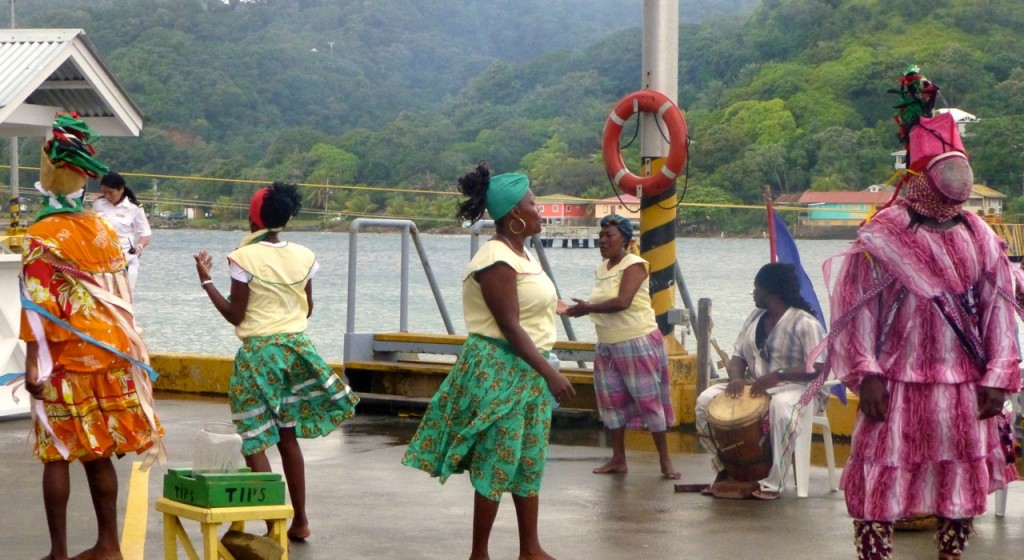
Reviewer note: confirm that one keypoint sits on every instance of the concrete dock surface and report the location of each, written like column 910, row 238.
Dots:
column 363, row 504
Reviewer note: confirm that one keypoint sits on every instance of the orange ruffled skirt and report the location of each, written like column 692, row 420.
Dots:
column 95, row 415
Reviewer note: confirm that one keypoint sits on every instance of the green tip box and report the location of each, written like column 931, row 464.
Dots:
column 216, row 490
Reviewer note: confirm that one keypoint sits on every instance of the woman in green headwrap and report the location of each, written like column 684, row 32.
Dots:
column 492, row 414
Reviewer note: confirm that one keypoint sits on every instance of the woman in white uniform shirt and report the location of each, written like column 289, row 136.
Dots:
column 119, row 206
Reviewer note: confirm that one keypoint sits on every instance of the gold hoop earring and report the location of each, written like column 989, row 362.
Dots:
column 513, row 230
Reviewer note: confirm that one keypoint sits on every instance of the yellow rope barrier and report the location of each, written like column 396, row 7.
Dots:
column 143, row 193
column 264, row 182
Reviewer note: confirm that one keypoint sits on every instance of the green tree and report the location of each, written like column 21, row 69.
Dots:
column 360, row 203
column 693, row 211
column 540, row 164
column 224, row 209
column 764, row 122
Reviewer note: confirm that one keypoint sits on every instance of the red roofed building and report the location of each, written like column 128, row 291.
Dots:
column 562, row 209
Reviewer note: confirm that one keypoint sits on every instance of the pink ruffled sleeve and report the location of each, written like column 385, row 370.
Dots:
column 853, row 350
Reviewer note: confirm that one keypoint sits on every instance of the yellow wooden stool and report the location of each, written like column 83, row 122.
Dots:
column 210, row 519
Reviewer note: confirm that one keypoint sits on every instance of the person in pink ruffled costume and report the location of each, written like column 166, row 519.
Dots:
column 923, row 331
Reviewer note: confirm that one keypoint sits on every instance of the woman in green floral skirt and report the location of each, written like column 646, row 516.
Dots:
column 281, row 389
column 492, row 414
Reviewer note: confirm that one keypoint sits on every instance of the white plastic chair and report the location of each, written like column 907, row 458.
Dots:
column 802, row 450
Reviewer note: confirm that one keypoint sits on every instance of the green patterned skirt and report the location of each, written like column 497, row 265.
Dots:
column 492, row 417
column 279, row 381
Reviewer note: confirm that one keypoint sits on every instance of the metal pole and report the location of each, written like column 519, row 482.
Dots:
column 658, row 213
column 409, row 232
column 684, row 293
column 703, row 341
column 403, row 298
column 350, row 300
column 434, row 288
column 15, row 227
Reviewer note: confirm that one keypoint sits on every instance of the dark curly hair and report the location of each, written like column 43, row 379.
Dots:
column 282, row 202
column 114, row 180
column 474, row 185
column 780, row 280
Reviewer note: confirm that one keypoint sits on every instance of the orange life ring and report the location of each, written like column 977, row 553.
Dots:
column 648, row 101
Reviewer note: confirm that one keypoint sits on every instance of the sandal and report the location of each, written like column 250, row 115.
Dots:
column 764, row 494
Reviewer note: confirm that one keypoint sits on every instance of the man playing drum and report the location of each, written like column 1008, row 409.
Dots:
column 773, row 347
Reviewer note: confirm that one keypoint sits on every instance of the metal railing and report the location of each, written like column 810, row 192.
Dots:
column 409, row 233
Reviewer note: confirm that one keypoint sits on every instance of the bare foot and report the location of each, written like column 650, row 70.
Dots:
column 612, row 467
column 669, row 472
column 298, row 533
column 538, row 554
column 97, row 553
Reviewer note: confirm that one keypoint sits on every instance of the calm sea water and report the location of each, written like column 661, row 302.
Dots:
column 178, row 317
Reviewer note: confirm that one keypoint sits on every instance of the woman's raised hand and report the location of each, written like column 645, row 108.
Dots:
column 204, row 265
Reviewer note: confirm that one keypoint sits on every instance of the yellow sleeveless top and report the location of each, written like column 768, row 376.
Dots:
column 637, row 320
column 277, row 291
column 536, row 293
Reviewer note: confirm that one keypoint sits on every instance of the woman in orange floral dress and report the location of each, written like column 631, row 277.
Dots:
column 85, row 363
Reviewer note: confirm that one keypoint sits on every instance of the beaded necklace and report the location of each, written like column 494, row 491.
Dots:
column 521, row 253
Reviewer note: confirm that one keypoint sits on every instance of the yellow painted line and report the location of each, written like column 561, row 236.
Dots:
column 133, row 534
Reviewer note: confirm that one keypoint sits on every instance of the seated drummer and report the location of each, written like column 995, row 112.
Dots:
column 773, row 346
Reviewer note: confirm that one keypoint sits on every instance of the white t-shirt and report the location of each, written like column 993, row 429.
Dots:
column 127, row 219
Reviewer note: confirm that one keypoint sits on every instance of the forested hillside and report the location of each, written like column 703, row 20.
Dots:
column 407, row 94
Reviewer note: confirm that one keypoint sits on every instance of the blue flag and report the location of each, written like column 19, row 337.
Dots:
column 785, row 250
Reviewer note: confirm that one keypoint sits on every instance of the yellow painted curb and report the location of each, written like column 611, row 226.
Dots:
column 208, row 374
column 198, row 373
column 133, row 534
column 842, row 418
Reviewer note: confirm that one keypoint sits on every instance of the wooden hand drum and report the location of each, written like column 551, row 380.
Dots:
column 744, row 448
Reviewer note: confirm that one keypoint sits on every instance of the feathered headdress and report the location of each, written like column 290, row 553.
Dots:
column 938, row 179
column 917, row 99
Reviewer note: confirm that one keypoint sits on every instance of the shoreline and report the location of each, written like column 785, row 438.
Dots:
column 840, row 234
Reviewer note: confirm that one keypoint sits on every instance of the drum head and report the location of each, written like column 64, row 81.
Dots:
column 725, row 411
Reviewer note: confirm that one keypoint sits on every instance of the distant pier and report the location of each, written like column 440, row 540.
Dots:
column 569, row 237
